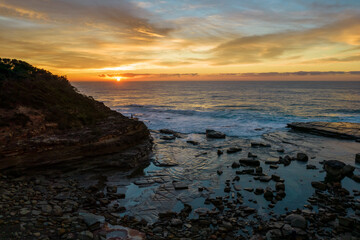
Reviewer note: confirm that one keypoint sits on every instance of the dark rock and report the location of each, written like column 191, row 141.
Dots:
column 258, row 170
column 219, row 152
column 259, row 191
column 279, row 186
column 265, row 178
column 193, row 142
column 357, row 158
column 91, row 219
column 274, row 166
column 260, row 144
column 219, row 172
column 275, row 177
column 302, row 157
column 214, row 134
column 235, row 165
column 234, row 150
column 297, row 221
column 268, row 195
column 249, row 189
column 180, row 185
column 167, row 131
column 319, row 185
column 167, row 137
column 249, row 162
column 280, row 150
column 334, row 169
column 250, row 155
column 310, row 166
column 237, row 187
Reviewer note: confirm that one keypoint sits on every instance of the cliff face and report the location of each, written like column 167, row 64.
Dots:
column 45, row 121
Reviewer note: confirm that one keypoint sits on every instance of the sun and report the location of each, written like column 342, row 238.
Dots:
column 118, row 79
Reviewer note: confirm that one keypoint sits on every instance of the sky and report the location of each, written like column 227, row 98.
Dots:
column 114, row 40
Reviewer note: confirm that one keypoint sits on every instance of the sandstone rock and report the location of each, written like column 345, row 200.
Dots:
column 331, row 129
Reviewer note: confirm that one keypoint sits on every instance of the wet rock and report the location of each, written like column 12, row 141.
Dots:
column 356, row 178
column 235, row 165
column 334, row 169
column 249, row 162
column 259, row 191
column 250, row 155
column 346, row 222
column 279, row 186
column 276, row 178
column 258, row 170
column 219, row 172
column 268, row 194
column 272, row 160
column 357, row 158
column 219, row 152
column 310, row 166
column 237, row 187
column 274, row 166
column 296, row 220
column 193, row 142
column 180, row 185
column 348, row 170
column 265, row 178
column 234, row 150
column 214, row 134
column 281, row 150
column 319, row 185
column 302, row 157
column 167, row 131
column 227, row 189
column 260, row 144
column 168, row 137
column 249, row 189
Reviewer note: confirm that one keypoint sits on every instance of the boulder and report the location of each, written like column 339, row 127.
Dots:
column 249, row 162
column 214, row 134
column 302, row 157
column 334, row 169
column 297, row 221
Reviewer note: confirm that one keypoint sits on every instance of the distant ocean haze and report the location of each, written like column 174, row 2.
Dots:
column 244, row 109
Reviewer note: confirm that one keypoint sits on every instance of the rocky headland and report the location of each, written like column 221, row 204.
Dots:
column 45, row 121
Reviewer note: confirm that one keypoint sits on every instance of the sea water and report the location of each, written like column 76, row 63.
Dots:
column 243, row 109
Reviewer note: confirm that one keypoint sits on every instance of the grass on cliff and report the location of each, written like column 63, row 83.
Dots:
column 24, row 85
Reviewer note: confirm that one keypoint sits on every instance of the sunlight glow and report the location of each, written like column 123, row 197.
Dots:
column 118, row 79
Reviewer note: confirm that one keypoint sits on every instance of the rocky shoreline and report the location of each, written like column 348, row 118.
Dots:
column 253, row 184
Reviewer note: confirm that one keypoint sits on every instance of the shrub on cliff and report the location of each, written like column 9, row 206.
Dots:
column 24, row 85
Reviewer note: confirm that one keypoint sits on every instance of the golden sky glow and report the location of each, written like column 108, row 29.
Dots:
column 185, row 40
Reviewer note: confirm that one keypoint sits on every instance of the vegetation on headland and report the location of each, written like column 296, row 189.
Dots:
column 22, row 84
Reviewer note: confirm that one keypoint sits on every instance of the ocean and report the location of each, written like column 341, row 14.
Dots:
column 237, row 108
